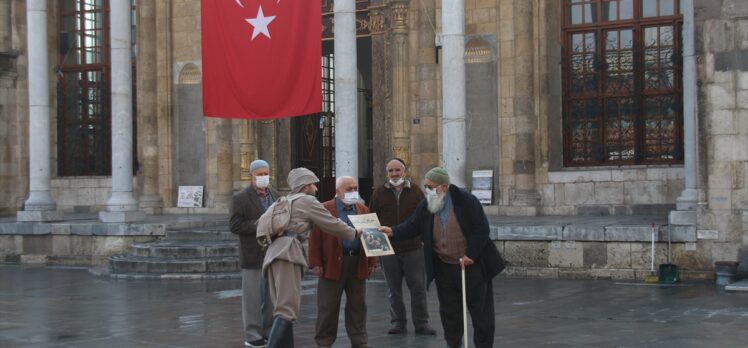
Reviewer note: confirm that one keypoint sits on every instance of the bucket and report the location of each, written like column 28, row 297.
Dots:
column 668, row 273
column 724, row 272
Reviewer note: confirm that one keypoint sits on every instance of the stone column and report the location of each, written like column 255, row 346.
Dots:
column 346, row 85
column 399, row 87
column 525, row 119
column 150, row 200
column 689, row 198
column 39, row 206
column 381, row 133
column 122, row 205
column 225, row 164
column 247, row 148
column 453, row 90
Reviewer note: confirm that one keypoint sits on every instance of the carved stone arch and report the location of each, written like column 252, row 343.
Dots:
column 190, row 75
column 189, row 127
column 478, row 50
column 481, row 83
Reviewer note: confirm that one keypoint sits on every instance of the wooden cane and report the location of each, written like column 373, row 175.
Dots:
column 464, row 304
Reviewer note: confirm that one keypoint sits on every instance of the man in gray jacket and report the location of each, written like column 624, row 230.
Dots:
column 246, row 207
column 285, row 260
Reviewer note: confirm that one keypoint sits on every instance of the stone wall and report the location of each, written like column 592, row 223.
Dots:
column 83, row 194
column 13, row 107
column 611, row 191
column 600, row 260
column 722, row 51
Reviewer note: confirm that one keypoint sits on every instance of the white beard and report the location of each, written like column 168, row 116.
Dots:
column 436, row 203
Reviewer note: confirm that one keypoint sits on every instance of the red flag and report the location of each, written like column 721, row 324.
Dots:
column 261, row 58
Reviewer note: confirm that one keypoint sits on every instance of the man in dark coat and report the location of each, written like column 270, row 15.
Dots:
column 246, row 208
column 394, row 202
column 455, row 230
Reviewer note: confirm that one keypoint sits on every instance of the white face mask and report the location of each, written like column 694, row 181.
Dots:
column 262, row 181
column 398, row 182
column 351, row 198
column 434, row 200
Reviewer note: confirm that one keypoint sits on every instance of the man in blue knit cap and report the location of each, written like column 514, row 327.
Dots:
column 455, row 235
column 246, row 208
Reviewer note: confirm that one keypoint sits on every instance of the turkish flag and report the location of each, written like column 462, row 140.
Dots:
column 261, row 58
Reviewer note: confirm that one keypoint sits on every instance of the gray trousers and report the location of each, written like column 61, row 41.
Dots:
column 329, row 294
column 257, row 310
column 284, row 282
column 408, row 265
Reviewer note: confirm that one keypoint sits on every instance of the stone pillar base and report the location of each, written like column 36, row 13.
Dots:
column 682, row 217
column 121, row 216
column 39, row 216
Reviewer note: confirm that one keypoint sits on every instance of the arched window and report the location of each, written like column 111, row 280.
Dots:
column 622, row 90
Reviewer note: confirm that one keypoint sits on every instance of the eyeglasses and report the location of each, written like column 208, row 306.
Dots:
column 429, row 187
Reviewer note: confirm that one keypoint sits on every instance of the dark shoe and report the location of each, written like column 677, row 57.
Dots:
column 261, row 343
column 426, row 330
column 281, row 335
column 396, row 330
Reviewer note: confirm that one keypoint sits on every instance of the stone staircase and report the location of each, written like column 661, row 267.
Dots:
column 194, row 253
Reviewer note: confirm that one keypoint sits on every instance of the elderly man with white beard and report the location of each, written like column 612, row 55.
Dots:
column 454, row 227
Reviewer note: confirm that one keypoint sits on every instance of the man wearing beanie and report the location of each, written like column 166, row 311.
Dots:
column 285, row 260
column 246, row 208
column 455, row 231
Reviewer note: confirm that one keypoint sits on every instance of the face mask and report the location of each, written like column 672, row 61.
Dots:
column 351, row 198
column 262, row 181
column 396, row 183
column 435, row 201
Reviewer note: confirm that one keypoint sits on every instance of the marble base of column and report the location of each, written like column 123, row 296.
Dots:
column 121, row 207
column 682, row 217
column 688, row 200
column 151, row 204
column 39, row 207
column 39, row 215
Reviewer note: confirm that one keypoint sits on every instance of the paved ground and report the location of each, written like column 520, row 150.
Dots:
column 46, row 307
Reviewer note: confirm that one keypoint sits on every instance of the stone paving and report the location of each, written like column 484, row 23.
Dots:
column 69, row 307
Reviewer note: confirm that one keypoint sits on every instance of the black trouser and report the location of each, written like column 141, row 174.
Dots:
column 479, row 302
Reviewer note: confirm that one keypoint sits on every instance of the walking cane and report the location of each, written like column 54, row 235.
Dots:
column 464, row 304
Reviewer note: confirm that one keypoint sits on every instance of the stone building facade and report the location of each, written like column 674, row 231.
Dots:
column 520, row 58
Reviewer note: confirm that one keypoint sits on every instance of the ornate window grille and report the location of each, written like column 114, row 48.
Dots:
column 622, row 89
column 83, row 88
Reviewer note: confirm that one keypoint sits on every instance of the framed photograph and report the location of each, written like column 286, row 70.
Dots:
column 190, row 197
column 376, row 243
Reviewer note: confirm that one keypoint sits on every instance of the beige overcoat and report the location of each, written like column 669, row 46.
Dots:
column 305, row 211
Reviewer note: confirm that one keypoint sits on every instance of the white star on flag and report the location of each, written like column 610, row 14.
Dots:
column 260, row 24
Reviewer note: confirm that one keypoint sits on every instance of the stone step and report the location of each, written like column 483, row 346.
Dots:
column 130, row 264
column 178, row 249
column 217, row 233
